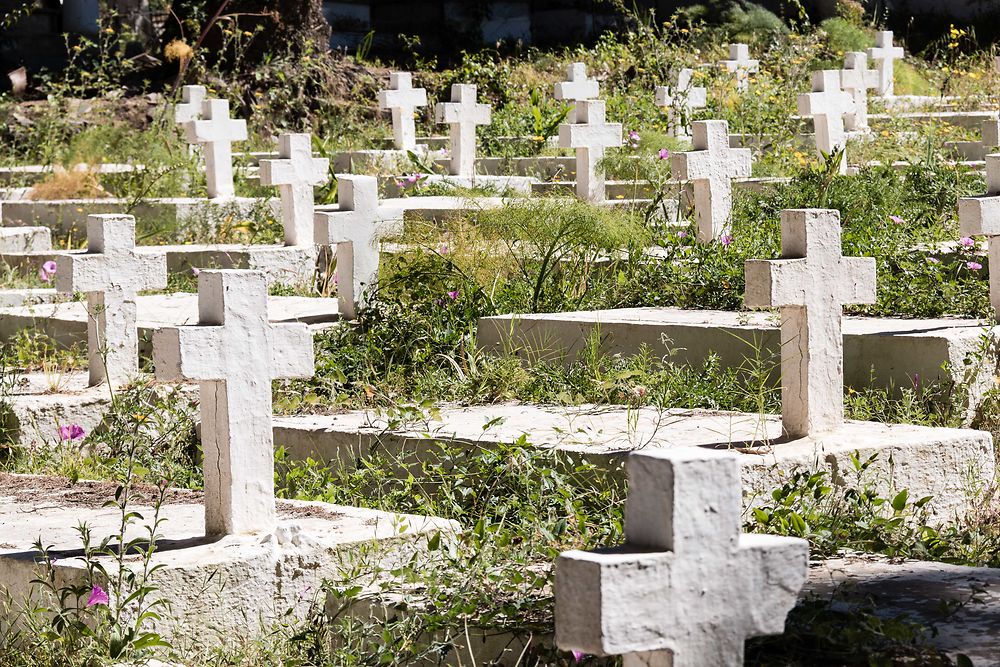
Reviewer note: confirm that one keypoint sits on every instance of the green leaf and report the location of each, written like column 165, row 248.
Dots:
column 899, row 502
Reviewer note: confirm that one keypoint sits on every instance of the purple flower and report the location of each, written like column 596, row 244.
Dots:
column 933, row 260
column 413, row 178
column 578, row 656
column 682, row 234
column 896, row 219
column 453, row 295
column 71, row 432
column 633, row 139
column 443, row 249
column 966, row 242
column 664, row 153
column 973, row 266
column 195, row 271
column 726, row 240
column 47, row 271
column 98, row 596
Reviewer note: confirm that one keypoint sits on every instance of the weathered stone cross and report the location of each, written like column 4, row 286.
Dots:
column 577, row 87
column 111, row 273
column 681, row 101
column 828, row 105
column 688, row 587
column 295, row 174
column 192, row 98
column 741, row 65
column 883, row 54
column 590, row 136
column 710, row 167
column 354, row 231
column 217, row 131
column 234, row 352
column 402, row 98
column 856, row 79
column 810, row 285
column 980, row 216
column 462, row 115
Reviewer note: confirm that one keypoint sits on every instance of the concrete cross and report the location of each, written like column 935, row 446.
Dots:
column 828, row 105
column 577, row 87
column 688, row 587
column 681, row 101
column 217, row 131
column 741, row 65
column 810, row 285
column 402, row 98
column 991, row 134
column 111, row 273
column 235, row 353
column 295, row 174
column 883, row 54
column 856, row 79
column 710, row 167
column 590, row 136
column 463, row 114
column 190, row 106
column 980, row 216
column 355, row 233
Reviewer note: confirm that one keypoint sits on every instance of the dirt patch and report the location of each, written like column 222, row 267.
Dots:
column 287, row 510
column 38, row 488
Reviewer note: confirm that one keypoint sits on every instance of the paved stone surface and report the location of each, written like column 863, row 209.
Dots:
column 944, row 463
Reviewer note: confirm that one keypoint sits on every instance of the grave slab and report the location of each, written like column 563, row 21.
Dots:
column 900, row 351
column 66, row 323
column 69, row 216
column 13, row 298
column 30, row 174
column 948, row 464
column 962, row 604
column 25, row 239
column 236, row 585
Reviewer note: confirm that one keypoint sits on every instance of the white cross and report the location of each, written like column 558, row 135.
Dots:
column 857, row 79
column 810, row 284
column 295, row 174
column 462, row 114
column 828, row 105
column 991, row 134
column 354, row 231
column 234, row 352
column 576, row 87
column 590, row 136
column 111, row 273
column 741, row 65
column 217, row 131
column 402, row 98
column 710, row 167
column 688, row 587
column 681, row 101
column 980, row 216
column 190, row 106
column 883, row 54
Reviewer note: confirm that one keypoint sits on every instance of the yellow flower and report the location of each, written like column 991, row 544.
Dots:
column 178, row 50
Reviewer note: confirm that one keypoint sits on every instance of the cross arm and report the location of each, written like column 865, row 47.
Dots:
column 773, row 570
column 189, row 354
column 775, row 283
column 614, row 601
column 150, row 270
column 857, row 280
column 979, row 215
column 582, row 135
column 81, row 273
column 691, row 165
column 292, row 353
column 409, row 97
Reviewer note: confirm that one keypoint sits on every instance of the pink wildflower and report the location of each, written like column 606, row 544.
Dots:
column 682, row 234
column 47, row 271
column 726, row 240
column 71, row 432
column 966, row 242
column 98, row 596
column 896, row 219
column 973, row 266
column 664, row 154
column 453, row 295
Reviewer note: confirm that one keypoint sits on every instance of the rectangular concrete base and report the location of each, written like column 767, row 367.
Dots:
column 219, row 588
column 880, row 351
column 68, row 217
column 949, row 464
column 66, row 323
